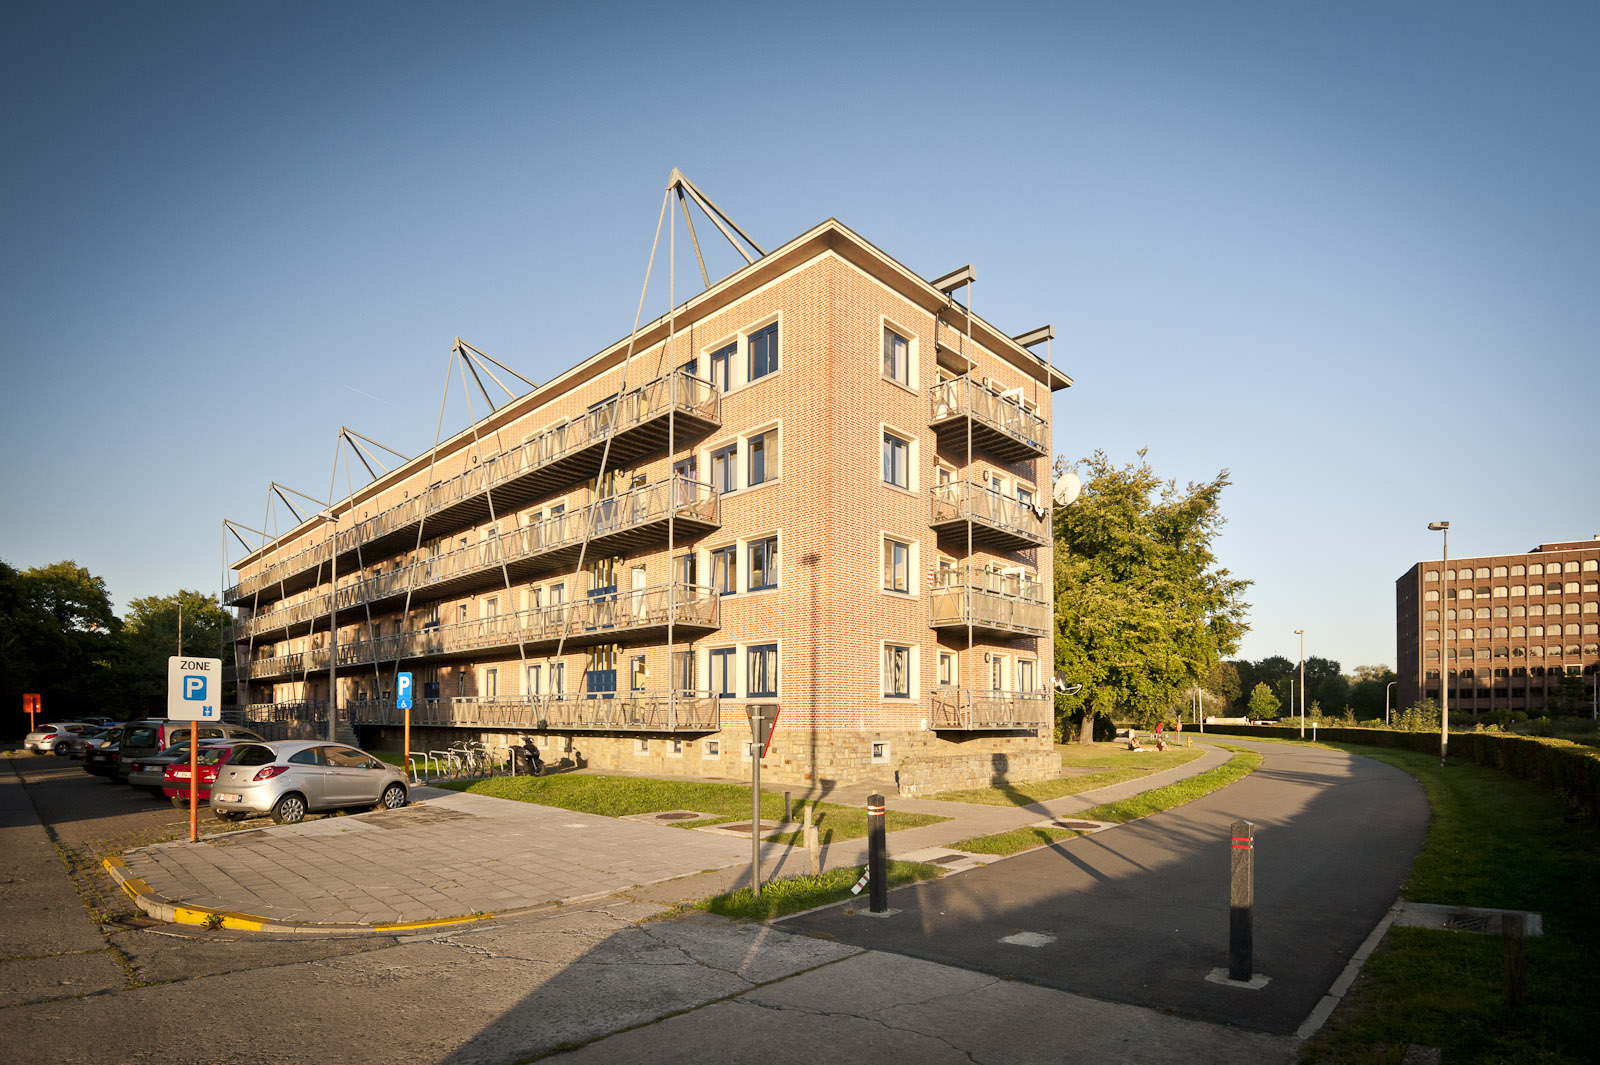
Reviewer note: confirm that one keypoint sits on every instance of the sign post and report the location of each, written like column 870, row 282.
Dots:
column 402, row 701
column 194, row 694
column 30, row 706
column 763, row 721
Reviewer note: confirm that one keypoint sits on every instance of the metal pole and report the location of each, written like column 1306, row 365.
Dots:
column 755, row 801
column 1444, row 663
column 1391, row 684
column 877, row 856
column 1302, row 634
column 333, row 625
column 1241, row 901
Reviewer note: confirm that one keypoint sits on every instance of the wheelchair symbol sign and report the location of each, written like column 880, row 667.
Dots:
column 402, row 691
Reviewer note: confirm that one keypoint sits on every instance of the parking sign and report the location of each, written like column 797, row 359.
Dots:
column 402, row 691
column 194, row 688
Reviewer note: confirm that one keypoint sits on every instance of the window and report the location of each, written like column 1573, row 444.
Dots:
column 896, row 357
column 725, row 570
column 997, row 673
column 763, row 675
column 558, row 678
column 636, row 674
column 535, row 679
column 1431, row 575
column 896, row 566
column 720, row 361
column 896, row 671
column 896, row 461
column 947, row 669
column 763, row 458
column 713, row 748
column 1026, row 675
column 491, row 683
column 724, row 468
column 763, row 563
column 880, row 752
column 723, row 679
column 1024, row 496
column 764, row 352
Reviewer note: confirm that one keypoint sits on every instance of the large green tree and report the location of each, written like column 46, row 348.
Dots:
column 150, row 636
column 1142, row 608
column 58, row 637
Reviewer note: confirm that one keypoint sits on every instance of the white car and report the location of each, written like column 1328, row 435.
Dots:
column 56, row 737
column 291, row 778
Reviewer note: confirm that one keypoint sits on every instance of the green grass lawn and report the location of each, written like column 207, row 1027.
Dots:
column 1112, row 763
column 1493, row 840
column 794, row 894
column 1021, row 839
column 623, row 796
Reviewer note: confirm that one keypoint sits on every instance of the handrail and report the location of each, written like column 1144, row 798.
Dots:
column 621, row 612
column 1000, row 601
column 621, row 711
column 971, row 708
column 962, row 500
column 634, row 509
column 675, row 390
column 962, row 395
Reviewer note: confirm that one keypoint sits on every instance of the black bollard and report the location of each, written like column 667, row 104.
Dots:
column 1241, row 898
column 877, row 856
column 788, row 807
column 1513, row 927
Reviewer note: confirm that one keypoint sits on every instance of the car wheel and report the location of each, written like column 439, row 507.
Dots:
column 182, row 804
column 289, row 810
column 62, row 748
column 394, row 797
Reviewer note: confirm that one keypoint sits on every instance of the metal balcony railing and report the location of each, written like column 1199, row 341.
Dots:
column 997, row 520
column 967, row 709
column 629, row 519
column 598, row 619
column 625, row 711
column 569, row 451
column 1000, row 424
column 999, row 604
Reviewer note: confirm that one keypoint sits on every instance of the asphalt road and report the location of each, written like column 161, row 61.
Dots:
column 1139, row 914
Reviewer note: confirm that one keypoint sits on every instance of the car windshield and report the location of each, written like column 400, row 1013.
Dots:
column 213, row 755
column 140, row 737
column 253, row 754
column 177, row 749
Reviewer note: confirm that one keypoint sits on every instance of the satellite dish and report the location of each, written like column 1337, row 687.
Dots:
column 1066, row 489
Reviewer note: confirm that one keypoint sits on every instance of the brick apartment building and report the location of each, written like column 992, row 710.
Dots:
column 1508, row 626
column 820, row 483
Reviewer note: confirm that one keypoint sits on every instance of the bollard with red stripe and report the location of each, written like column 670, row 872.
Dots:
column 1241, row 900
column 877, row 856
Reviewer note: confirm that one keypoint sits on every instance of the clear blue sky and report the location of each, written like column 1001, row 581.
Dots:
column 1347, row 251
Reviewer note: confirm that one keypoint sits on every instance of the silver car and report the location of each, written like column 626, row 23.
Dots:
column 54, row 737
column 292, row 778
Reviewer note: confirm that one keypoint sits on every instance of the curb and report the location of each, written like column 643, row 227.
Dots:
column 163, row 909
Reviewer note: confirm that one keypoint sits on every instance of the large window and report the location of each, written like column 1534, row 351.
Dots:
column 720, row 361
column 725, row 569
column 763, row 677
column 1027, row 680
column 896, row 565
column 764, row 352
column 724, row 468
column 896, row 461
column 764, row 563
column 723, row 679
column 896, row 357
column 763, row 458
column 896, row 671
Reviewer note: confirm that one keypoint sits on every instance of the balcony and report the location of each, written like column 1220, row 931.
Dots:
column 639, row 616
column 1000, row 424
column 639, row 518
column 630, row 711
column 970, row 710
column 995, row 604
column 998, row 521
column 638, row 422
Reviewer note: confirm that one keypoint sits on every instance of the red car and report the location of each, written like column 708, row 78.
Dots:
column 175, row 780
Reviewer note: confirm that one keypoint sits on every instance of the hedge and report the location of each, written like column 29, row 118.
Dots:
column 1572, row 770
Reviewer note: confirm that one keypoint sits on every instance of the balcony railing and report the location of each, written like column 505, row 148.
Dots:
column 628, row 711
column 564, row 453
column 997, row 520
column 1000, row 604
column 970, row 710
column 1000, row 424
column 607, row 618
column 628, row 519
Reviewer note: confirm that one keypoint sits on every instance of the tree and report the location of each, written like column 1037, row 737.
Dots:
column 1142, row 609
column 1224, row 682
column 1262, row 702
column 1369, row 691
column 57, row 638
column 150, row 637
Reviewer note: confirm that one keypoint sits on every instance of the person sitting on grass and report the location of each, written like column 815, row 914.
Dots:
column 1133, row 742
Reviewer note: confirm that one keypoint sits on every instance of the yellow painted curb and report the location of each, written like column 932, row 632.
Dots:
column 208, row 918
column 431, row 924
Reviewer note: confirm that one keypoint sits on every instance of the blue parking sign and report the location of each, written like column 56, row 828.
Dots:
column 402, row 691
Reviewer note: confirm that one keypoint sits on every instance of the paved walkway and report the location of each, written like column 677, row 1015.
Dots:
column 453, row 856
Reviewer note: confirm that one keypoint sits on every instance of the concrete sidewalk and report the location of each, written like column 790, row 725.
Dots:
column 454, row 857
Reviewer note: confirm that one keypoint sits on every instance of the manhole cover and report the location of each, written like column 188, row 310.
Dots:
column 684, row 816
column 1029, row 939
column 1473, row 922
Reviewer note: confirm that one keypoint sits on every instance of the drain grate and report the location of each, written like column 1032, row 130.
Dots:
column 1469, row 921
column 1076, row 826
column 946, row 859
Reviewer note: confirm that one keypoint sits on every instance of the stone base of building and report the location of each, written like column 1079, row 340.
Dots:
column 914, row 762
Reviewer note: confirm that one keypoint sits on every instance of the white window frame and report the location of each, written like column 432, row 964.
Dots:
column 887, row 325
column 912, row 456
column 912, row 584
column 913, row 664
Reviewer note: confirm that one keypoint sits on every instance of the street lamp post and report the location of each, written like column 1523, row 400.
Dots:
column 1302, row 634
column 1444, row 659
column 1391, row 684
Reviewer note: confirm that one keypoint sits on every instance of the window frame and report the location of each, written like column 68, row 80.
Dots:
column 766, row 339
column 887, row 450
column 767, row 655
column 767, row 547
column 896, row 570
column 725, row 569
column 893, row 654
